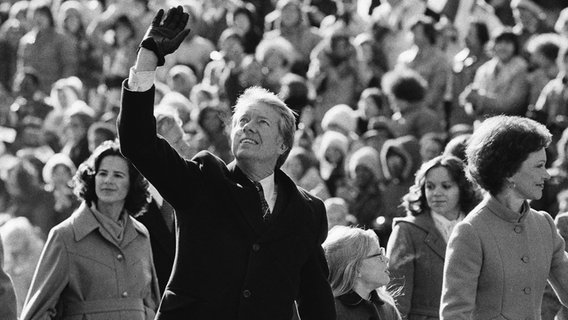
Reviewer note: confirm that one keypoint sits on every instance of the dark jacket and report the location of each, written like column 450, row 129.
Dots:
column 229, row 263
column 351, row 306
column 162, row 240
column 416, row 252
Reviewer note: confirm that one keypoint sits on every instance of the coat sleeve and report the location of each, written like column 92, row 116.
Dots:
column 401, row 254
column 558, row 276
column 50, row 278
column 152, row 155
column 315, row 299
column 461, row 272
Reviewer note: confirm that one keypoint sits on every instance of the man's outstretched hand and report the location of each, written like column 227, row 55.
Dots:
column 164, row 37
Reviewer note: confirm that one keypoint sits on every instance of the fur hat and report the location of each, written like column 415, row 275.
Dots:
column 342, row 116
column 333, row 139
column 368, row 157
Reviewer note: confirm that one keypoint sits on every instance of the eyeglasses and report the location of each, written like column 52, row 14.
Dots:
column 380, row 254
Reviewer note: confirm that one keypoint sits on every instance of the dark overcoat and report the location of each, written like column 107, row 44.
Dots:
column 229, row 264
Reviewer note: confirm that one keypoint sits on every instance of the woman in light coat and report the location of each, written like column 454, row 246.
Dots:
column 97, row 264
column 501, row 255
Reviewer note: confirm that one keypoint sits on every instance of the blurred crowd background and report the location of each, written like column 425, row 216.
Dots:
column 379, row 87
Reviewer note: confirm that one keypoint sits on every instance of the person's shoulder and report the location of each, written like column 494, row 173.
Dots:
column 140, row 227
column 412, row 220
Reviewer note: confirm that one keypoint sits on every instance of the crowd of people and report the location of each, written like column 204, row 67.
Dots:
column 390, row 100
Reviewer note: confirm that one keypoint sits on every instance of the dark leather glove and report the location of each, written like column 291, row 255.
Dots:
column 165, row 37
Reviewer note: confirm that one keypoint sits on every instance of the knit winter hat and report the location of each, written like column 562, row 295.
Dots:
column 367, row 157
column 342, row 116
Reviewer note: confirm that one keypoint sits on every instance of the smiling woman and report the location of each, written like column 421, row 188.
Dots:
column 440, row 197
column 100, row 243
column 501, row 256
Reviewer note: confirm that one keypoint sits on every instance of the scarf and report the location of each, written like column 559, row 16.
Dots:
column 112, row 229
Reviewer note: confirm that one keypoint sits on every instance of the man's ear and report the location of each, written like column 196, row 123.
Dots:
column 283, row 148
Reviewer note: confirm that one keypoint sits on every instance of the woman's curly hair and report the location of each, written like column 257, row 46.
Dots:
column 138, row 195
column 415, row 200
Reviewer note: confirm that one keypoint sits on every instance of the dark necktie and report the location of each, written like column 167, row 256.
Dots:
column 263, row 204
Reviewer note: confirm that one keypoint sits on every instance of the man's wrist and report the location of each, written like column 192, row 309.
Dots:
column 146, row 60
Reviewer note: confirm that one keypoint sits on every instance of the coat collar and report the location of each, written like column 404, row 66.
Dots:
column 84, row 223
column 433, row 238
column 288, row 213
column 352, row 299
column 505, row 213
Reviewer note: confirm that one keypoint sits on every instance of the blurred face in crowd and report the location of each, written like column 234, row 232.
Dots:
column 75, row 129
column 333, row 155
column 112, row 180
column 72, row 22
column 123, row 33
column 212, row 122
column 61, row 175
column 442, row 193
column 40, row 20
column 504, row 50
column 232, row 48
column 363, row 176
column 290, row 15
column 242, row 23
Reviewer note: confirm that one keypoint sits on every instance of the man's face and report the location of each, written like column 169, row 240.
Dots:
column 255, row 134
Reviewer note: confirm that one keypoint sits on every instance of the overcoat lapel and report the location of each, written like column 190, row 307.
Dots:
column 243, row 192
column 433, row 238
column 290, row 213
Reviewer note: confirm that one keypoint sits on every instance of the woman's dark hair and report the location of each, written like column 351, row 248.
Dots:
column 428, row 26
column 415, row 200
column 26, row 177
column 137, row 197
column 499, row 146
column 405, row 85
column 507, row 35
column 209, row 108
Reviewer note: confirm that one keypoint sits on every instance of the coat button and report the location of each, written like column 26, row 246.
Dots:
column 119, row 257
column 255, row 247
column 125, row 294
column 246, row 293
column 527, row 290
column 518, row 229
column 525, row 259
